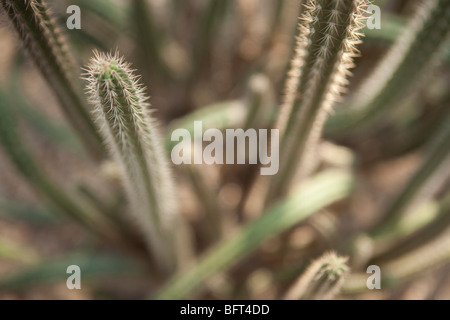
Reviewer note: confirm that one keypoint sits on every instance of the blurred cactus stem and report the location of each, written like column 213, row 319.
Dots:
column 316, row 194
column 328, row 35
column 261, row 102
column 212, row 18
column 222, row 115
column 437, row 156
column 440, row 223
column 47, row 47
column 322, row 280
column 422, row 42
column 150, row 40
column 405, row 267
column 134, row 142
column 23, row 160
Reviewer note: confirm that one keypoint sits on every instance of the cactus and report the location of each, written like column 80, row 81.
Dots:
column 329, row 34
column 331, row 185
column 437, row 154
column 134, row 142
column 399, row 269
column 47, row 47
column 239, row 225
column 149, row 39
column 422, row 42
column 322, row 280
column 426, row 233
column 260, row 100
column 29, row 168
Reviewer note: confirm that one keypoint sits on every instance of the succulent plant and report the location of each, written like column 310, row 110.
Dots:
column 134, row 141
column 322, row 280
column 329, row 32
column 48, row 48
column 188, row 231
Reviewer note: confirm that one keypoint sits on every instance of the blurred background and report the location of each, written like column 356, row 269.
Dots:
column 194, row 54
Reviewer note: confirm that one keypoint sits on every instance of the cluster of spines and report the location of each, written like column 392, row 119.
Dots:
column 134, row 141
column 322, row 280
column 415, row 50
column 27, row 12
column 329, row 33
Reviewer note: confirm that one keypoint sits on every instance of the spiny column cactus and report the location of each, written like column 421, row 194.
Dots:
column 406, row 266
column 425, row 257
column 46, row 46
column 437, row 157
column 260, row 102
column 322, row 280
column 422, row 42
column 28, row 166
column 326, row 46
column 135, row 143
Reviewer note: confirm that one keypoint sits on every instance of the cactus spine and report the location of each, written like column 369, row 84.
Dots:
column 421, row 43
column 326, row 46
column 134, row 142
column 322, row 280
column 46, row 46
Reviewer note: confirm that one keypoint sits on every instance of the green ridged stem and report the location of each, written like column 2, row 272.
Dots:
column 405, row 267
column 50, row 271
column 438, row 152
column 222, row 115
column 45, row 44
column 322, row 280
column 212, row 17
column 261, row 102
column 325, row 49
column 421, row 43
column 26, row 164
column 135, row 144
column 421, row 236
column 149, row 39
column 113, row 13
column 321, row 191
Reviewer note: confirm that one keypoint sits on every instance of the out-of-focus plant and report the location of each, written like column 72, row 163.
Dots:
column 184, row 228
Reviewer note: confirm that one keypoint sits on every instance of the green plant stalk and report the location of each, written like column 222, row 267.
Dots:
column 405, row 267
column 149, row 39
column 412, row 137
column 438, row 153
column 212, row 18
column 109, row 11
column 323, row 56
column 224, row 115
column 134, row 142
column 59, row 133
column 421, row 43
column 27, row 166
column 319, row 192
column 31, row 214
column 207, row 197
column 426, row 257
column 393, row 27
column 17, row 252
column 277, row 16
column 48, row 49
column 421, row 236
column 260, row 102
column 322, row 280
column 92, row 267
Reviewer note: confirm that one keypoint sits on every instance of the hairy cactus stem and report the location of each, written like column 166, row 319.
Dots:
column 326, row 46
column 134, row 142
column 47, row 47
column 322, row 280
